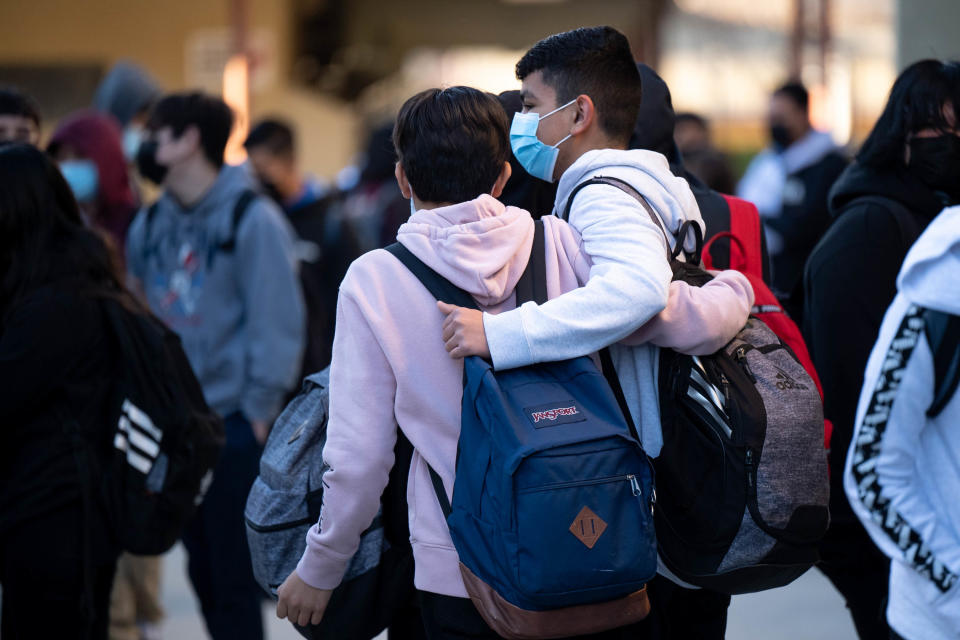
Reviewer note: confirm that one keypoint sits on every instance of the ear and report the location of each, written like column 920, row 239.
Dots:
column 402, row 181
column 501, row 182
column 586, row 114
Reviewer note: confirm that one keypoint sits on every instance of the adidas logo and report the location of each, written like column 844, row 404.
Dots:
column 785, row 381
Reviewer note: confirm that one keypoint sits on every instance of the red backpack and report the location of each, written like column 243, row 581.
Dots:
column 744, row 239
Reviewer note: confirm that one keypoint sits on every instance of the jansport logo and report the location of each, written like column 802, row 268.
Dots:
column 553, row 414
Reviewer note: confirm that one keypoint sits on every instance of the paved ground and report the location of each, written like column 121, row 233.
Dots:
column 808, row 609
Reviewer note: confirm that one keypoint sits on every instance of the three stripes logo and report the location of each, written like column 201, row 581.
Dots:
column 785, row 381
column 138, row 437
column 708, row 397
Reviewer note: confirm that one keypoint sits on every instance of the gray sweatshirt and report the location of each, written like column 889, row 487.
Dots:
column 239, row 311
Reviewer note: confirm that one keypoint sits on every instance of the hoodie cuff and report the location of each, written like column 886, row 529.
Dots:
column 506, row 340
column 318, row 569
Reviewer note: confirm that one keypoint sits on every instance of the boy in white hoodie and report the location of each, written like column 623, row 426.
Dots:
column 390, row 371
column 581, row 95
column 903, row 467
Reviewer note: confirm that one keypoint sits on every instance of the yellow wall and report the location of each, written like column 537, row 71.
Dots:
column 155, row 35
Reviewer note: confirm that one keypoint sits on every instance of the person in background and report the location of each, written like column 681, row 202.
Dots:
column 655, row 130
column 692, row 135
column 57, row 358
column 523, row 190
column 19, row 117
column 789, row 183
column 906, row 172
column 88, row 149
column 127, row 92
column 902, row 473
column 216, row 262
column 374, row 207
column 325, row 245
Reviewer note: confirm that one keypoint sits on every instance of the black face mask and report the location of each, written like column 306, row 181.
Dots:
column 936, row 162
column 147, row 163
column 271, row 191
column 781, row 136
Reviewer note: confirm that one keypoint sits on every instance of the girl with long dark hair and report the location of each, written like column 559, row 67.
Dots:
column 57, row 367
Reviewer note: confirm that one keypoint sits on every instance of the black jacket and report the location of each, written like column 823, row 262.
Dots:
column 849, row 281
column 326, row 247
column 654, row 131
column 57, row 363
column 802, row 222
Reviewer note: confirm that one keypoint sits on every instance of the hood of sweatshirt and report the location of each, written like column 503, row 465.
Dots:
column 929, row 273
column 646, row 171
column 858, row 180
column 481, row 246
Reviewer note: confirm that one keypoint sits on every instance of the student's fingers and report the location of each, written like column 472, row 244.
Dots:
column 450, row 344
column 281, row 608
column 449, row 331
column 445, row 308
column 317, row 616
column 303, row 619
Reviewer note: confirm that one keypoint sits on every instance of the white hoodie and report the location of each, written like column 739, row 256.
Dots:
column 629, row 279
column 903, row 468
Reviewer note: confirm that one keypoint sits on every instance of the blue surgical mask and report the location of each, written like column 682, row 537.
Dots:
column 83, row 178
column 537, row 158
column 132, row 137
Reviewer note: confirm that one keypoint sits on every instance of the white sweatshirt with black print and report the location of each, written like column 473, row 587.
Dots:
column 903, row 468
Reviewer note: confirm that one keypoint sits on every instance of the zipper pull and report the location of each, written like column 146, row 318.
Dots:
column 742, row 359
column 726, row 390
column 751, row 472
column 634, row 485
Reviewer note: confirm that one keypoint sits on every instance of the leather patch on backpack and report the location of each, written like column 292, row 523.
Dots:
column 587, row 527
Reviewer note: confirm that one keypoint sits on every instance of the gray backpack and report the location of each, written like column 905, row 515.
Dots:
column 285, row 501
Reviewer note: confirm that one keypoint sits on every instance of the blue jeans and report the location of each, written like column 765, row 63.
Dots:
column 216, row 541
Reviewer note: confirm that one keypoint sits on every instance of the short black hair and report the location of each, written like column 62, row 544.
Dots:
column 452, row 143
column 688, row 117
column 210, row 115
column 14, row 102
column 796, row 93
column 916, row 102
column 595, row 61
column 273, row 135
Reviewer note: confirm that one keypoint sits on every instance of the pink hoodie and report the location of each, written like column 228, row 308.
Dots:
column 390, row 369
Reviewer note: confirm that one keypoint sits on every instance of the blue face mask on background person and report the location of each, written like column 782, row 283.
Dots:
column 537, row 158
column 83, row 178
column 132, row 137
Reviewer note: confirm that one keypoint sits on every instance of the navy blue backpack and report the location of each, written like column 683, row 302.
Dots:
column 552, row 512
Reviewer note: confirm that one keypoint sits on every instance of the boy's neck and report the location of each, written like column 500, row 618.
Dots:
column 190, row 182
column 590, row 141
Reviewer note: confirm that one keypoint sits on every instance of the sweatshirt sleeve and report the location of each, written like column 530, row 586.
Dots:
column 275, row 316
column 361, row 435
column 700, row 320
column 628, row 284
column 881, row 472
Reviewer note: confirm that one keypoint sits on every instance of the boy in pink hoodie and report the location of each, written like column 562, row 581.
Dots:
column 390, row 370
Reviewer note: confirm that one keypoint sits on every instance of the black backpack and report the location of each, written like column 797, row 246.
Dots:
column 742, row 486
column 164, row 439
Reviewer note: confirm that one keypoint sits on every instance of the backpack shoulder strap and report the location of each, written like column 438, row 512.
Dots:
column 441, row 288
column 909, row 227
column 532, row 285
column 629, row 190
column 239, row 209
column 943, row 336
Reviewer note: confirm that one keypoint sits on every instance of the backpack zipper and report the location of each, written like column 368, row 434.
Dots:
column 631, row 478
column 741, row 356
column 634, row 485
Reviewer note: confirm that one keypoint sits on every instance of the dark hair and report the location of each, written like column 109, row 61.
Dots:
column 42, row 236
column 687, row 117
column 595, row 61
column 916, row 102
column 211, row 116
column 452, row 143
column 14, row 102
column 796, row 93
column 275, row 136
